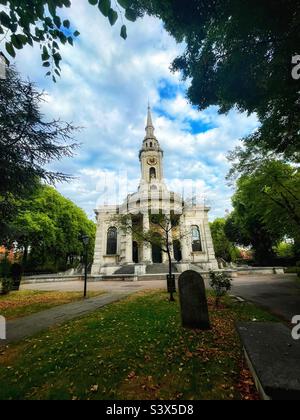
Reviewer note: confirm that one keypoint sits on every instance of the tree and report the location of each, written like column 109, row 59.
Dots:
column 163, row 230
column 285, row 250
column 266, row 208
column 27, row 144
column 29, row 22
column 48, row 230
column 245, row 228
column 239, row 54
column 223, row 247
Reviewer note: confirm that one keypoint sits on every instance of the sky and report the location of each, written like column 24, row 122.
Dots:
column 105, row 87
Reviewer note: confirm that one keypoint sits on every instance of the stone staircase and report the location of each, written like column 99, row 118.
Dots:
column 125, row 270
column 160, row 269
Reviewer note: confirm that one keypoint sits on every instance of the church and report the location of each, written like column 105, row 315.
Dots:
column 116, row 251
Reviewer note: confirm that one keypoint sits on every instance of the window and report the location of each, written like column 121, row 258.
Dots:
column 196, row 239
column 151, row 144
column 152, row 173
column 112, row 235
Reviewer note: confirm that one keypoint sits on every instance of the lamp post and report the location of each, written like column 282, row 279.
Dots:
column 85, row 240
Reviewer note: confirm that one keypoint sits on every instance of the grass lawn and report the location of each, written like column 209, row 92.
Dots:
column 18, row 304
column 134, row 349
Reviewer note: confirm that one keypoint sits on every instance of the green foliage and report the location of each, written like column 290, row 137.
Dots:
column 266, row 209
column 27, row 144
column 285, row 250
column 30, row 22
column 235, row 254
column 5, row 277
column 6, row 285
column 5, row 268
column 221, row 283
column 48, row 228
column 239, row 54
column 223, row 247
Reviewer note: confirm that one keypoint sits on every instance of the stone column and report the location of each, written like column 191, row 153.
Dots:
column 209, row 243
column 128, row 249
column 185, row 240
column 98, row 252
column 147, row 254
column 171, row 245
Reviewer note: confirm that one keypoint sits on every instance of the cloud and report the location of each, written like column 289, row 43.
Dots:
column 105, row 86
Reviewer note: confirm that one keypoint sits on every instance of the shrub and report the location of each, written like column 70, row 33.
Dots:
column 6, row 286
column 5, row 276
column 221, row 283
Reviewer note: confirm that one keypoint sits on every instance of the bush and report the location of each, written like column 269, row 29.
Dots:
column 235, row 254
column 5, row 276
column 6, row 286
column 285, row 250
column 221, row 283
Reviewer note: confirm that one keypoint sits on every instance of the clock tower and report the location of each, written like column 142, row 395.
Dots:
column 151, row 156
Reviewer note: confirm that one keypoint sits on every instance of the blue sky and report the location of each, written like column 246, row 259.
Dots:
column 105, row 86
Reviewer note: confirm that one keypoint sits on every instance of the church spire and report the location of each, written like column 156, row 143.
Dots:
column 149, row 127
column 151, row 155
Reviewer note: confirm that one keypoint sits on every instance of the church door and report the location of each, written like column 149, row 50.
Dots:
column 135, row 252
column 156, row 254
column 177, row 250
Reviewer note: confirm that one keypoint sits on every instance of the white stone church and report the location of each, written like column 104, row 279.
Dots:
column 116, row 251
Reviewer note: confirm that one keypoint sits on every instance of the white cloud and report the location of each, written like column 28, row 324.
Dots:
column 105, row 86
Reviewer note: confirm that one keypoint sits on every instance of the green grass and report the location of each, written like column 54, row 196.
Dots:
column 134, row 349
column 27, row 302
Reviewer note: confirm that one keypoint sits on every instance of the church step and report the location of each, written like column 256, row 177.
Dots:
column 154, row 277
column 126, row 269
column 160, row 268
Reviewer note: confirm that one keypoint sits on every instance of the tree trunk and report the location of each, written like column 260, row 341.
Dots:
column 170, row 266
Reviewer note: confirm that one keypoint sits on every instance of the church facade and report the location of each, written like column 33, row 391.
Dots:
column 116, row 251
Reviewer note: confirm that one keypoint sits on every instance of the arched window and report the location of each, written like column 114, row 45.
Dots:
column 196, row 239
column 112, row 235
column 152, row 173
column 151, row 144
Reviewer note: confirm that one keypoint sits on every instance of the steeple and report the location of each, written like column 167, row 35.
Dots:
column 149, row 128
column 151, row 155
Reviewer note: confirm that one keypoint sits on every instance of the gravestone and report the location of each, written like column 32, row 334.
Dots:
column 193, row 302
column 2, row 328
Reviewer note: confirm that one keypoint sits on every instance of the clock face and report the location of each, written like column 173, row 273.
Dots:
column 152, row 161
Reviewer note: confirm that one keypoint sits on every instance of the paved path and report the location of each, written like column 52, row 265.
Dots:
column 280, row 294
column 107, row 286
column 30, row 325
